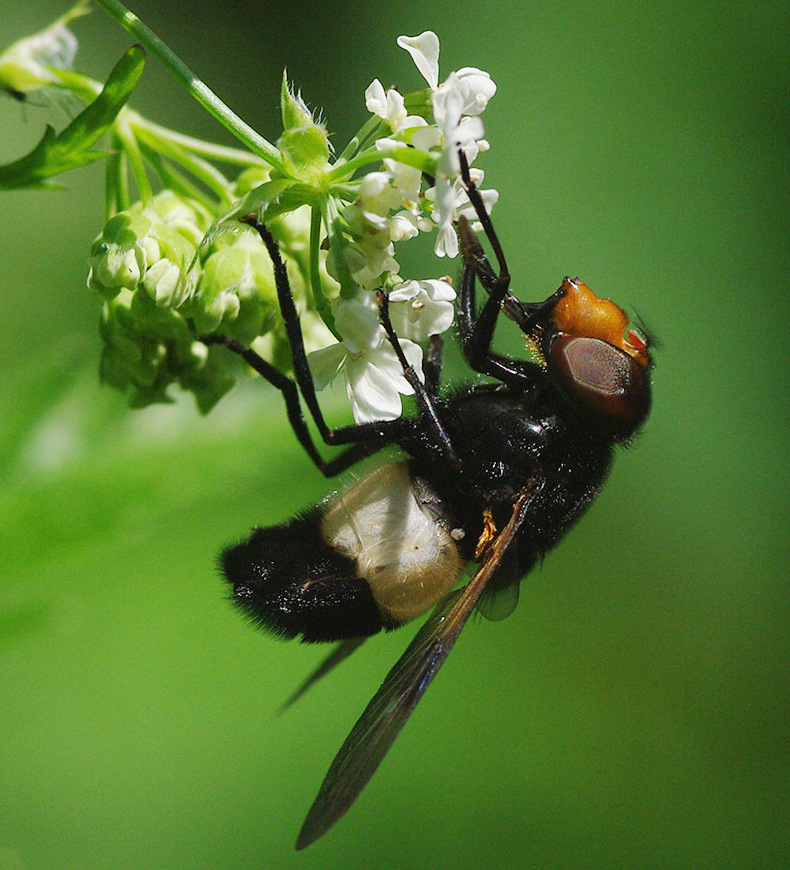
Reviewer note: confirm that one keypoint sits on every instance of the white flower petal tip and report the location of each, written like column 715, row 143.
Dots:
column 424, row 50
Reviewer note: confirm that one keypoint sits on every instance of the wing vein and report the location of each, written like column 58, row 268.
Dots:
column 403, row 687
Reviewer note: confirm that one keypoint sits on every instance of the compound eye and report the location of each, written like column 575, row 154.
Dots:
column 605, row 384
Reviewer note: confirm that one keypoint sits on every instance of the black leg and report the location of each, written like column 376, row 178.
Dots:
column 364, row 440
column 477, row 331
column 497, row 285
column 432, row 365
column 424, row 400
column 526, row 314
column 293, row 328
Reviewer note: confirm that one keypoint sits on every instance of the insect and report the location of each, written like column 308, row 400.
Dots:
column 494, row 474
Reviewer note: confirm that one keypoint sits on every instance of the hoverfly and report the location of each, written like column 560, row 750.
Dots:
column 494, row 474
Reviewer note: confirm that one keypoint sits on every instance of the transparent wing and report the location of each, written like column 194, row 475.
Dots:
column 498, row 604
column 339, row 654
column 500, row 597
column 404, row 685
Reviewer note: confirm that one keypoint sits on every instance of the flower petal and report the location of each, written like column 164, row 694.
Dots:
column 326, row 363
column 420, row 309
column 424, row 50
column 372, row 392
column 477, row 88
column 357, row 321
column 376, row 99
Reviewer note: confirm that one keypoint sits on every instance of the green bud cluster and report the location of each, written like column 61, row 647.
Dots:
column 162, row 291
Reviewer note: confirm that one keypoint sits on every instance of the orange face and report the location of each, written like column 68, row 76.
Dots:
column 580, row 312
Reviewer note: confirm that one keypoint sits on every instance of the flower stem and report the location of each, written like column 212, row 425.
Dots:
column 208, row 150
column 201, row 169
column 116, row 186
column 136, row 162
column 203, row 94
column 319, row 299
column 372, row 125
column 409, row 156
column 175, row 180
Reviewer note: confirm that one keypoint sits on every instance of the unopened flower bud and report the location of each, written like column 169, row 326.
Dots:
column 236, row 288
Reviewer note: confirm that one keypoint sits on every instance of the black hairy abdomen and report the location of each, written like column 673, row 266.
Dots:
column 290, row 582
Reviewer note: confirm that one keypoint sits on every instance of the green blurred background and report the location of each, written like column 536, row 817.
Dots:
column 633, row 712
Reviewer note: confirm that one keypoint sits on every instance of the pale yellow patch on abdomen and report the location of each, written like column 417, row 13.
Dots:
column 407, row 558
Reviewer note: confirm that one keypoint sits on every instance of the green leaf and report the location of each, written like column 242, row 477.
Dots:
column 70, row 149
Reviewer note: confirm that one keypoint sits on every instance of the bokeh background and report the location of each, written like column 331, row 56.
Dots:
column 633, row 712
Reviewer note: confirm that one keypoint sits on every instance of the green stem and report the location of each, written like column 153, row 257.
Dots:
column 174, row 180
column 319, row 298
column 204, row 95
column 408, row 156
column 214, row 180
column 366, row 131
column 116, row 192
column 136, row 162
column 208, row 150
column 337, row 240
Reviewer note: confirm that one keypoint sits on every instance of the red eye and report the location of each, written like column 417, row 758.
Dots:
column 602, row 382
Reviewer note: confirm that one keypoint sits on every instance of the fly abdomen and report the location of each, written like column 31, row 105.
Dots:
column 372, row 558
column 291, row 582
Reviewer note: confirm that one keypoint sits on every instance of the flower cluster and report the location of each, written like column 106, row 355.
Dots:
column 162, row 291
column 393, row 205
column 183, row 263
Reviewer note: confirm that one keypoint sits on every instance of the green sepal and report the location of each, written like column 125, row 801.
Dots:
column 304, row 143
column 71, row 148
column 254, row 202
column 305, row 152
column 294, row 110
column 266, row 201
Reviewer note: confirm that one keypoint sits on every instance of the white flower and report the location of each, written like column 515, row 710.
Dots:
column 420, row 309
column 475, row 87
column 463, row 205
column 451, row 200
column 376, row 193
column 406, row 180
column 368, row 215
column 458, row 130
column 424, row 50
column 456, row 103
column 369, row 261
column 404, row 225
column 391, row 205
column 388, row 105
column 373, row 374
column 357, row 321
